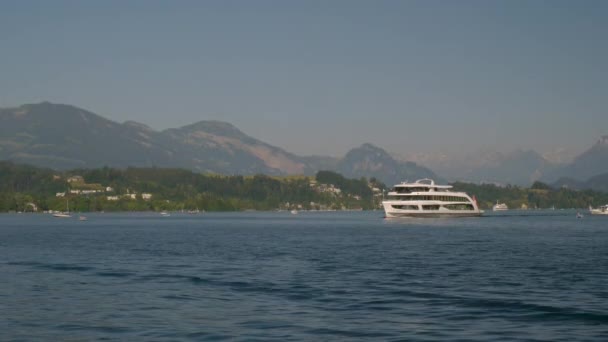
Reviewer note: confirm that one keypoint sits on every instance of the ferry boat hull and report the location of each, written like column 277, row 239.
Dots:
column 391, row 212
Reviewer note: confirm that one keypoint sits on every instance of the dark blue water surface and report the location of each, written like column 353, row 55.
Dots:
column 311, row 276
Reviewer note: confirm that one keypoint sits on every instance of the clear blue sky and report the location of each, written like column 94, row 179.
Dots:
column 320, row 77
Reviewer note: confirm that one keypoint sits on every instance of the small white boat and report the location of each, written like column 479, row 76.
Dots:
column 294, row 212
column 579, row 215
column 602, row 210
column 62, row 215
column 164, row 213
column 66, row 213
column 82, row 218
column 500, row 207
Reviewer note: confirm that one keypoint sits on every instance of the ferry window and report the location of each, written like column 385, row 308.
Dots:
column 459, row 206
column 406, row 207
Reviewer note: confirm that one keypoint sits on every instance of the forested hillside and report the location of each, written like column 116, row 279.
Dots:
column 25, row 188
column 142, row 189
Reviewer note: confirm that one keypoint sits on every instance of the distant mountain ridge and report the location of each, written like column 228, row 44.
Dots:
column 375, row 162
column 592, row 162
column 64, row 137
column 519, row 167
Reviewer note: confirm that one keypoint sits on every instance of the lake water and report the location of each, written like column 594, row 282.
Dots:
column 311, row 276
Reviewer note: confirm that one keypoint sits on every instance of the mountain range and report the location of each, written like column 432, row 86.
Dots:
column 65, row 137
column 590, row 163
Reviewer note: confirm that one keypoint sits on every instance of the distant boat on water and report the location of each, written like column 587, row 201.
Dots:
column 602, row 210
column 62, row 215
column 164, row 213
column 294, row 212
column 82, row 218
column 65, row 214
column 500, row 207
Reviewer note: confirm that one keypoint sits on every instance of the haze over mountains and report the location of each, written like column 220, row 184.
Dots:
column 520, row 167
column 64, row 136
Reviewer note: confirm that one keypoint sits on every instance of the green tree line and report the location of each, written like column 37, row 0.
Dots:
column 22, row 187
column 539, row 195
column 172, row 189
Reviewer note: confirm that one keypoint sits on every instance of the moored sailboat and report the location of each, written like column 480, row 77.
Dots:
column 66, row 213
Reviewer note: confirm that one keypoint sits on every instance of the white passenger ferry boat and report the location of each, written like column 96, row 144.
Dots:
column 425, row 199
